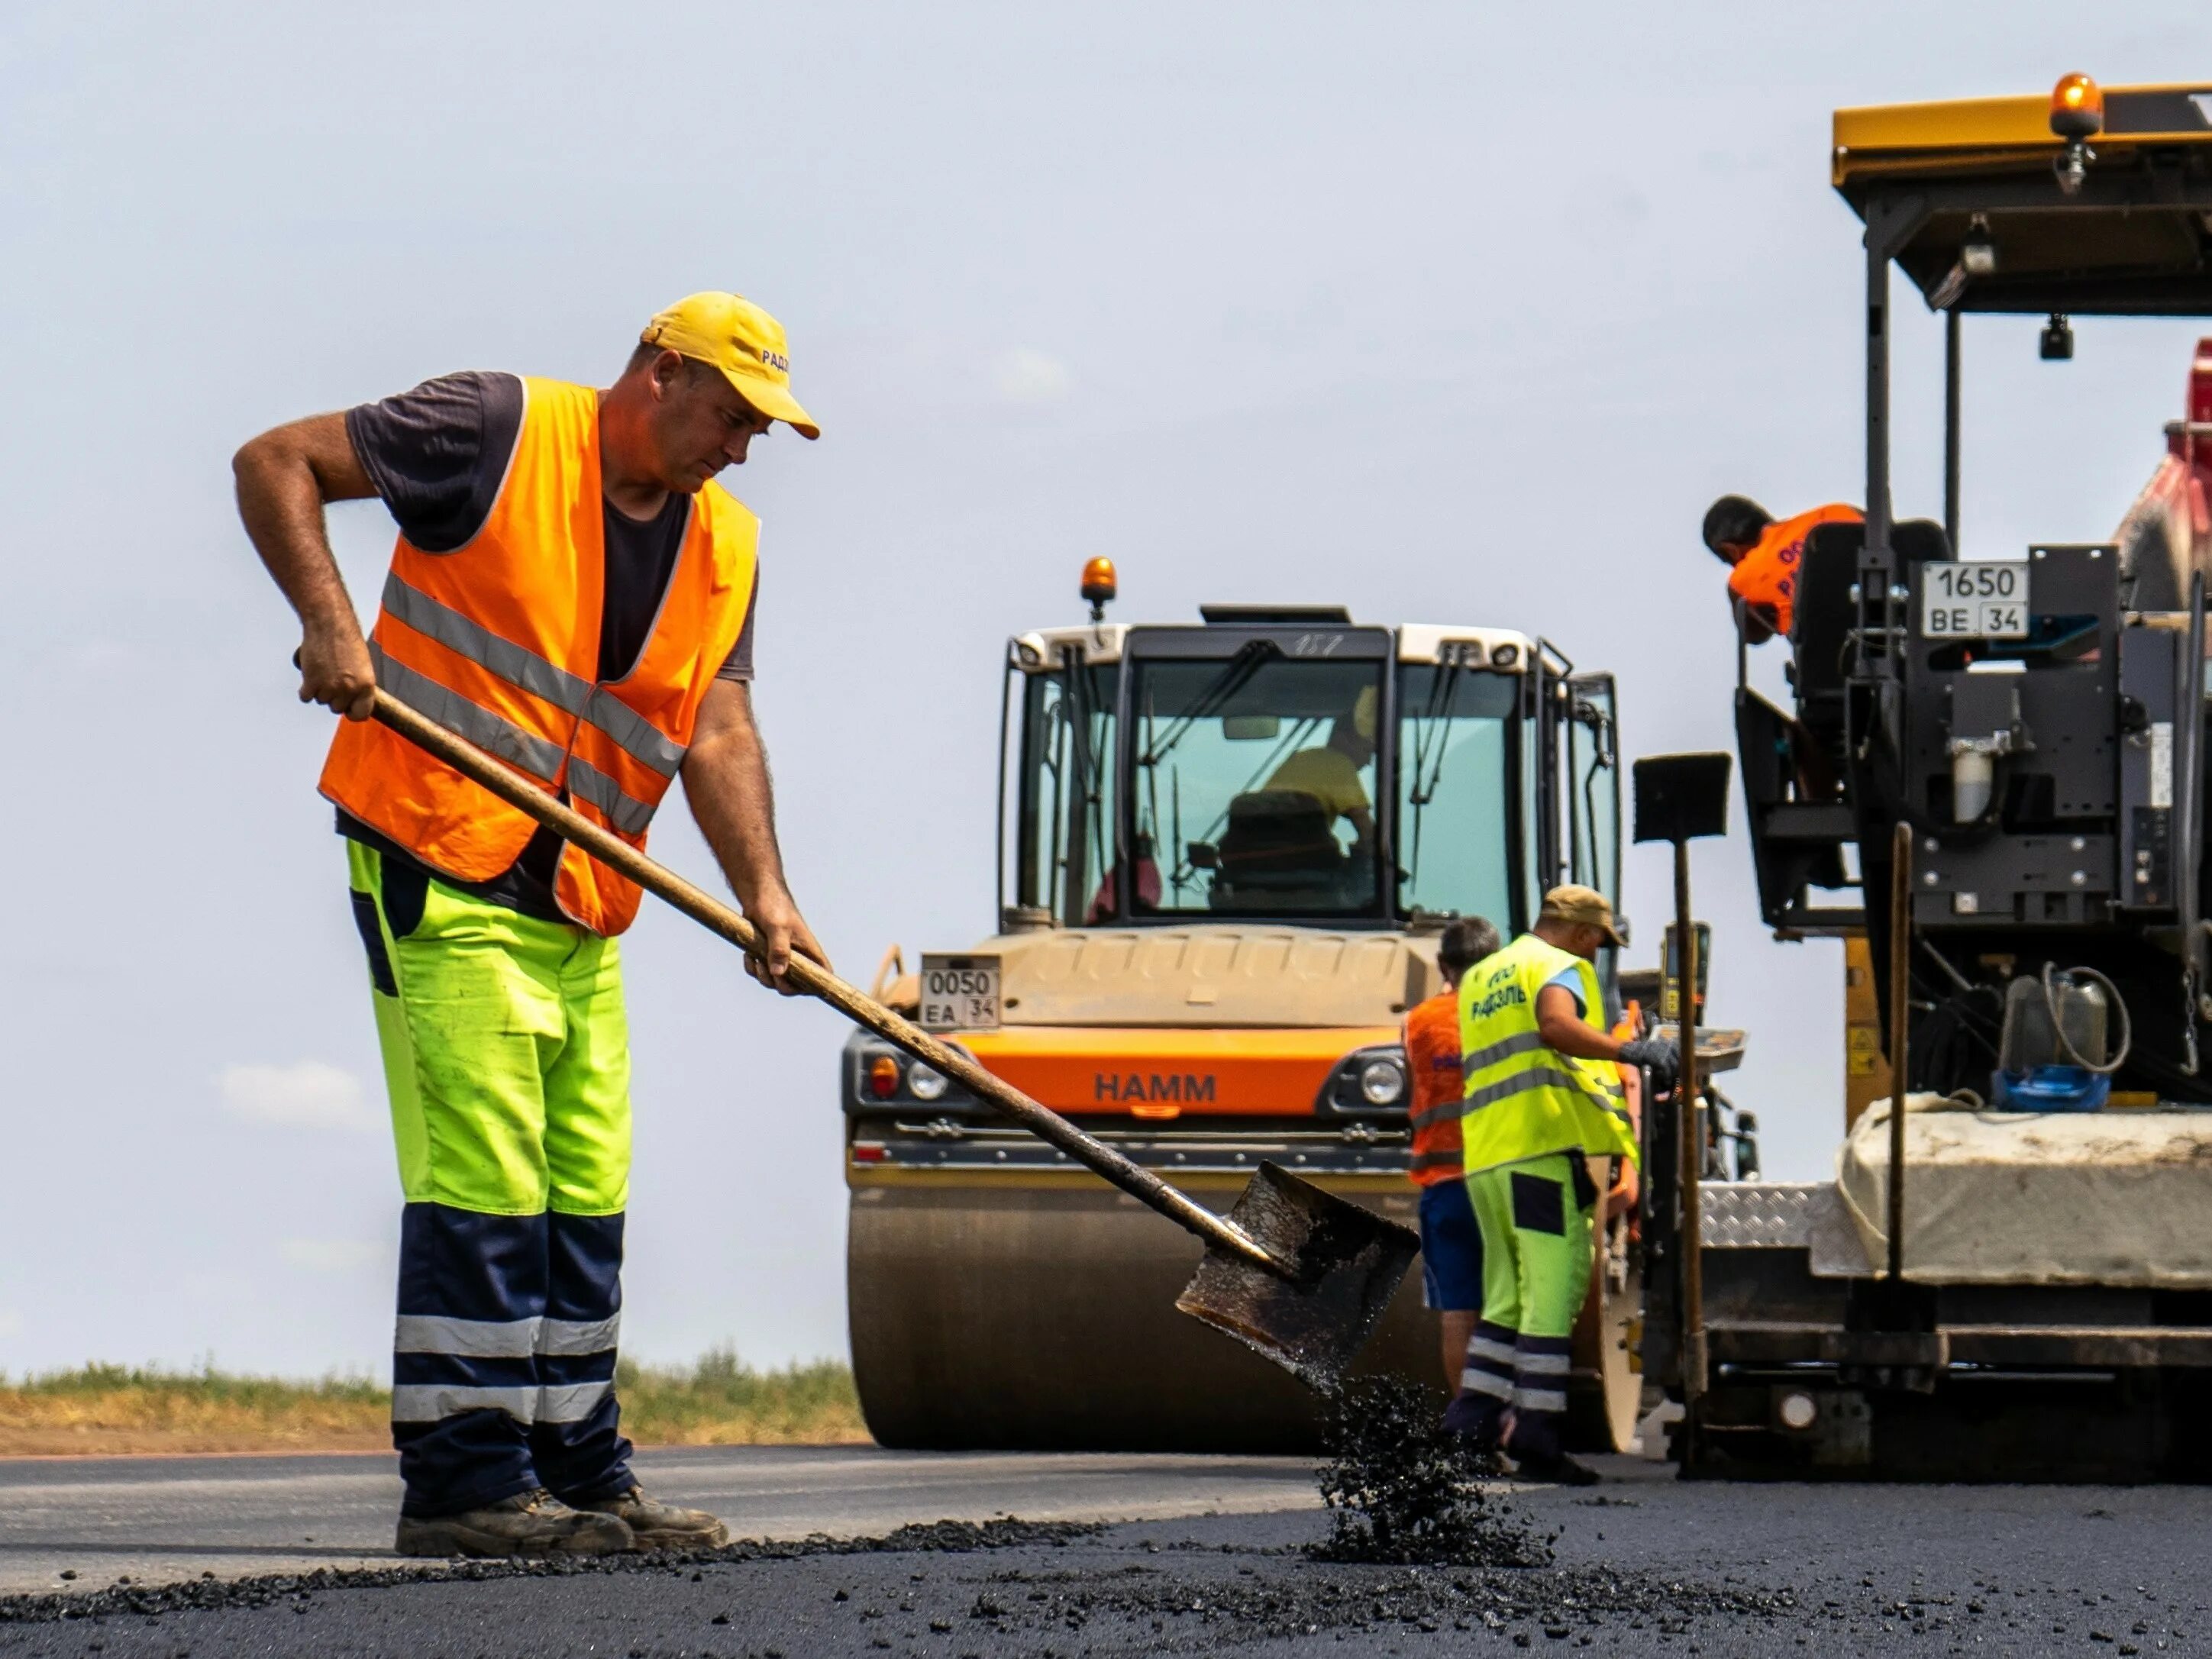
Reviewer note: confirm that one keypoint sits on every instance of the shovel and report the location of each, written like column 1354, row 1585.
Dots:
column 1293, row 1272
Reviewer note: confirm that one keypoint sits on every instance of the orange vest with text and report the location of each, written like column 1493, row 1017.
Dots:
column 498, row 641
column 1767, row 575
column 1432, row 1065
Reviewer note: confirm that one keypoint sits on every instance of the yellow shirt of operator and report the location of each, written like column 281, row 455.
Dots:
column 1327, row 775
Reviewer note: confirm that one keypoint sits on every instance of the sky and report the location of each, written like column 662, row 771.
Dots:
column 1443, row 313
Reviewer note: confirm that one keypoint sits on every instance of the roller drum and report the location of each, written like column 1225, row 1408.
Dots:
column 1043, row 1319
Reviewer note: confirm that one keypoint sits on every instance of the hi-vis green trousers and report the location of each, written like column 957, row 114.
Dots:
column 506, row 1057
column 1539, row 1243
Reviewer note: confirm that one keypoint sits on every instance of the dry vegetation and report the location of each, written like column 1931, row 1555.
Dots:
column 114, row 1410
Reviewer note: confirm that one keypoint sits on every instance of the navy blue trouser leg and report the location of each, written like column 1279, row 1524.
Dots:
column 464, row 1385
column 576, row 1439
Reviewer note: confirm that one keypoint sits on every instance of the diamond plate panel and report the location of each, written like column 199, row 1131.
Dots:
column 1774, row 1215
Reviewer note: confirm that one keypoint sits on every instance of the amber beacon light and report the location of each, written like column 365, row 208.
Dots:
column 2077, row 107
column 2077, row 115
column 1099, row 586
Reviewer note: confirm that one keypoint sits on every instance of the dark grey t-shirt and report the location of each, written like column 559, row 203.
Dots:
column 437, row 456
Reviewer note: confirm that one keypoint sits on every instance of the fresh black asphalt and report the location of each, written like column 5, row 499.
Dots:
column 1645, row 1564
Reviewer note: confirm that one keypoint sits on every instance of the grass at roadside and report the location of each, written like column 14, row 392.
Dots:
column 115, row 1410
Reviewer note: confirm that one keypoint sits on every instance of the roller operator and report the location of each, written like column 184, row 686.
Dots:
column 1329, row 771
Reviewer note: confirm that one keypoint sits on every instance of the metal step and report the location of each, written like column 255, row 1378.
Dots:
column 1800, row 821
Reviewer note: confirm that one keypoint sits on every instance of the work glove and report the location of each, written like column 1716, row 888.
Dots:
column 1657, row 1056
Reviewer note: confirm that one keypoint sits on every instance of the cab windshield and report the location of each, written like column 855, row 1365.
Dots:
column 1254, row 786
column 1262, row 784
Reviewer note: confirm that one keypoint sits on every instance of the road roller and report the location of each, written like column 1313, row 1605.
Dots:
column 1226, row 850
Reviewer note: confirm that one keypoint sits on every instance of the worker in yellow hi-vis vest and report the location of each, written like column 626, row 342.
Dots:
column 1542, row 1094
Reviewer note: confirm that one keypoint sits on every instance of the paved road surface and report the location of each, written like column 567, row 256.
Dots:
column 1648, row 1565
column 162, row 1518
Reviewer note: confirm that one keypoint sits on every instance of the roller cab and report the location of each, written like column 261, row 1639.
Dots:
column 1227, row 851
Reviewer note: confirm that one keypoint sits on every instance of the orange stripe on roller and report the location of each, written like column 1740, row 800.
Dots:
column 1164, row 1073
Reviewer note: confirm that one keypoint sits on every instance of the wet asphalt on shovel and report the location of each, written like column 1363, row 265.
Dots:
column 1293, row 1272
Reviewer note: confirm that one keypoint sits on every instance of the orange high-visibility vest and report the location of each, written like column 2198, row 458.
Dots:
column 1433, row 1095
column 498, row 641
column 1767, row 575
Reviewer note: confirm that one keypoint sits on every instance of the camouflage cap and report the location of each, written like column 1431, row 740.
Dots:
column 1580, row 906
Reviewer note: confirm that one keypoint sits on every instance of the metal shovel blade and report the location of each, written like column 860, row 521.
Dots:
column 1344, row 1264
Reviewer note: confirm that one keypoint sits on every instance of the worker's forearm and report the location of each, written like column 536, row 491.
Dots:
column 725, row 780
column 1565, row 1035
column 280, row 503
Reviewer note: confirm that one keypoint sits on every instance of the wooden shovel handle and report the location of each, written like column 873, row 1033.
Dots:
column 519, row 792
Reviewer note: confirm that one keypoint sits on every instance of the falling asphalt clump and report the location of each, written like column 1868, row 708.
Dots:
column 1401, row 1488
column 210, row 1594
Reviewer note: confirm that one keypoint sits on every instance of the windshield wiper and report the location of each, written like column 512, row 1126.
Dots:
column 1250, row 657
column 1429, row 737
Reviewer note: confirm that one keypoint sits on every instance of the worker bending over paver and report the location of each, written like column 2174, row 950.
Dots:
column 572, row 591
column 1765, row 556
column 1451, row 1244
column 1541, row 1095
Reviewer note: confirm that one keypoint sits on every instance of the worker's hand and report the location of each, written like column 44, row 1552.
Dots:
column 1656, row 1055
column 335, row 670
column 782, row 931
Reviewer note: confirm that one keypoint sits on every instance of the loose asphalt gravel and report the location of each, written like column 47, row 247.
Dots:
column 1644, row 1564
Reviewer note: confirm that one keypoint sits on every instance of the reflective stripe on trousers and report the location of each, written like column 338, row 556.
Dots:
column 511, row 1339
column 430, row 1402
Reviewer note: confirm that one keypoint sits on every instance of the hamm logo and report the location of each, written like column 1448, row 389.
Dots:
column 1189, row 1088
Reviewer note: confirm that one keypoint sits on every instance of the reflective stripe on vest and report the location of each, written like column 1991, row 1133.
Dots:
column 1524, row 1099
column 526, row 671
column 627, row 813
column 498, row 642
column 517, row 665
column 495, row 733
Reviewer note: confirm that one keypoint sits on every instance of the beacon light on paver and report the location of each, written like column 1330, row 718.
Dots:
column 2077, row 107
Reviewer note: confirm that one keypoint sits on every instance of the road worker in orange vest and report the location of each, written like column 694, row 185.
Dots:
column 1763, row 554
column 574, row 591
column 1451, row 1242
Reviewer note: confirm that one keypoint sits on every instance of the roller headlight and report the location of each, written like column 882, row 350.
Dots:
column 925, row 1082
column 1382, row 1082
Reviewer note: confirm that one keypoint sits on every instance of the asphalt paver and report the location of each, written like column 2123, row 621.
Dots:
column 1645, row 1564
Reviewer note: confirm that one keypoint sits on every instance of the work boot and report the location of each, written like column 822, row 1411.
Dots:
column 1531, row 1440
column 528, row 1523
column 658, row 1526
column 1474, row 1418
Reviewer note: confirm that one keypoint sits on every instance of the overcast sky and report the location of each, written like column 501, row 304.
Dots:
column 1444, row 313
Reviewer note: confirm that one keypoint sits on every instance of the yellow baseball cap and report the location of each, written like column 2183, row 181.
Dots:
column 1580, row 906
column 742, row 341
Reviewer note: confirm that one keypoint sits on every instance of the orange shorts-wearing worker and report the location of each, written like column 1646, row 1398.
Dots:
column 572, row 592
column 1451, row 1242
